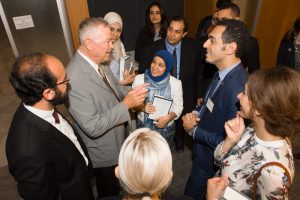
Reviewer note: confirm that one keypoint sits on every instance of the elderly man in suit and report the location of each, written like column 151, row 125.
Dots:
column 98, row 103
column 186, row 68
column 225, row 46
column 44, row 154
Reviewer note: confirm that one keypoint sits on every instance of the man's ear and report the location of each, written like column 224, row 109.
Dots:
column 88, row 44
column 184, row 34
column 49, row 94
column 117, row 173
column 231, row 48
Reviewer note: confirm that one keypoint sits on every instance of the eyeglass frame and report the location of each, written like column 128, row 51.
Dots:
column 64, row 81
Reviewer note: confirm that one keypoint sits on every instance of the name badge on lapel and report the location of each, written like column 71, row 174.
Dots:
column 210, row 105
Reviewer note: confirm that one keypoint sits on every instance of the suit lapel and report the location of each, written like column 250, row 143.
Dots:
column 227, row 79
column 89, row 71
column 48, row 129
column 182, row 57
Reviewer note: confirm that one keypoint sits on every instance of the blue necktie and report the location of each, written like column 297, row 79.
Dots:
column 174, row 70
column 213, row 86
column 209, row 94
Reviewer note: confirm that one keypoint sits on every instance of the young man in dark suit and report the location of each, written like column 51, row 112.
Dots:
column 187, row 67
column 224, row 46
column 44, row 154
column 250, row 58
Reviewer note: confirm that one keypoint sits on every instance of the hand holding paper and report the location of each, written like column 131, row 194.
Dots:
column 149, row 108
column 162, row 107
column 163, row 121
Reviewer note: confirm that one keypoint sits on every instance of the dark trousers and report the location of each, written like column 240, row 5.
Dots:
column 197, row 183
column 106, row 182
column 179, row 134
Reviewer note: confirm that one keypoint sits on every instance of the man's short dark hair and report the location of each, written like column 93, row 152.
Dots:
column 180, row 19
column 219, row 3
column 235, row 31
column 30, row 76
column 235, row 10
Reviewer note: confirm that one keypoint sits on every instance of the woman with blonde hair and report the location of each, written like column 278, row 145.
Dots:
column 145, row 165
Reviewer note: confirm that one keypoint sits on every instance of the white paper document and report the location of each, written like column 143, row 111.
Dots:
column 22, row 22
column 122, row 66
column 162, row 106
column 230, row 194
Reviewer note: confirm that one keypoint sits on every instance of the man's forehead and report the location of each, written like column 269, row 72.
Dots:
column 103, row 33
column 177, row 25
column 224, row 13
column 217, row 30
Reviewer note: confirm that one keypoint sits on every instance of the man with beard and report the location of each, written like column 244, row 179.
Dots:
column 43, row 152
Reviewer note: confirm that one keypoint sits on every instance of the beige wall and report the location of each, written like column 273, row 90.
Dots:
column 194, row 11
column 77, row 11
column 274, row 19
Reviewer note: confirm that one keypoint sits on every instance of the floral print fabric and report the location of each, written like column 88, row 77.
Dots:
column 245, row 159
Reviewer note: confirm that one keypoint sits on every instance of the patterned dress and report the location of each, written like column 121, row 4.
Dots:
column 245, row 159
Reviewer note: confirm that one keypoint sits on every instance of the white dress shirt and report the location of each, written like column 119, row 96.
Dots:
column 64, row 127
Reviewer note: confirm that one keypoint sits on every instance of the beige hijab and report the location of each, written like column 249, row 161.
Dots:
column 119, row 50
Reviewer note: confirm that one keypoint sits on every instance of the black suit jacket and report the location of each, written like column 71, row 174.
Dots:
column 145, row 38
column 44, row 162
column 250, row 59
column 286, row 54
column 190, row 69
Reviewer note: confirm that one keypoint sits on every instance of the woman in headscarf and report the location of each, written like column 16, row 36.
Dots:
column 165, row 85
column 118, row 53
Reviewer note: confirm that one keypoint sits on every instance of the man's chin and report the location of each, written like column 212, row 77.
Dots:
column 208, row 60
column 105, row 59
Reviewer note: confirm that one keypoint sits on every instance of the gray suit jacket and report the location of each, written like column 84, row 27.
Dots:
column 99, row 117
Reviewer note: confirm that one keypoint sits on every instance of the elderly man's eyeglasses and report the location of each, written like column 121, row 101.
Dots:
column 64, row 81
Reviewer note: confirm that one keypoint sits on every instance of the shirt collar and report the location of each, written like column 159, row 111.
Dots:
column 92, row 63
column 171, row 48
column 275, row 144
column 224, row 72
column 43, row 114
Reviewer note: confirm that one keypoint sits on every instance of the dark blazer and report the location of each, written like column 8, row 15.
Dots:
column 210, row 130
column 45, row 163
column 250, row 59
column 286, row 54
column 190, row 69
column 144, row 39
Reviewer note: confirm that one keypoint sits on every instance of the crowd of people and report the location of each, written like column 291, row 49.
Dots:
column 208, row 87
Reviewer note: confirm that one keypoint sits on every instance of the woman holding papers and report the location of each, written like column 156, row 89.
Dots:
column 165, row 92
column 271, row 100
column 118, row 55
